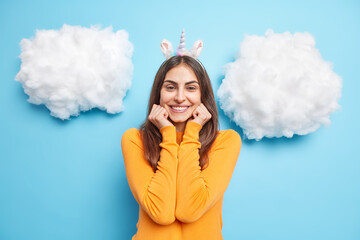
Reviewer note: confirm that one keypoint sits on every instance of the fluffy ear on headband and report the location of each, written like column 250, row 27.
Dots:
column 196, row 49
column 166, row 48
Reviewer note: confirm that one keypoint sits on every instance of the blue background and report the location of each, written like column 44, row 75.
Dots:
column 66, row 179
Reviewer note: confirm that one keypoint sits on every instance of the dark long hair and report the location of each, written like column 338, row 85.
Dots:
column 151, row 135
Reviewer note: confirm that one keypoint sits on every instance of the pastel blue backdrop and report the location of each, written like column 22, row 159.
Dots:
column 66, row 179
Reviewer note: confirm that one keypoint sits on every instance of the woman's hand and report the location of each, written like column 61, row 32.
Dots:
column 159, row 116
column 201, row 115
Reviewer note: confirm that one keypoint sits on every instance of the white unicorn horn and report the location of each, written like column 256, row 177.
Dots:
column 181, row 50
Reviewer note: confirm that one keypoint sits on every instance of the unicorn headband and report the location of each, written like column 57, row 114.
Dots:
column 167, row 48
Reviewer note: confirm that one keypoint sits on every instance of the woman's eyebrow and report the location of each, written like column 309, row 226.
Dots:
column 175, row 83
column 192, row 82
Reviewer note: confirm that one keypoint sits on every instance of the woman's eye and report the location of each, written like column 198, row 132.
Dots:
column 192, row 88
column 169, row 87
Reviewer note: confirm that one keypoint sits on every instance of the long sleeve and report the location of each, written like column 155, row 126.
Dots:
column 155, row 192
column 198, row 190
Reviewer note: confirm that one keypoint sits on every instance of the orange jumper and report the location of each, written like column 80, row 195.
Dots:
column 180, row 201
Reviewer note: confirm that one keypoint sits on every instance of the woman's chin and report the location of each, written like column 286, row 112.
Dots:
column 178, row 119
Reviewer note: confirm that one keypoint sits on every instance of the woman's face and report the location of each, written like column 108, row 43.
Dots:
column 180, row 93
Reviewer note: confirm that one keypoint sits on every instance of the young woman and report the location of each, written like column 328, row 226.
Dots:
column 178, row 164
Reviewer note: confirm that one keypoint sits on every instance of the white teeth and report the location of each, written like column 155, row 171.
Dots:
column 179, row 108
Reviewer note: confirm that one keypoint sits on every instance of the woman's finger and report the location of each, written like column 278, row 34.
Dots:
column 154, row 113
column 164, row 113
column 205, row 111
column 195, row 112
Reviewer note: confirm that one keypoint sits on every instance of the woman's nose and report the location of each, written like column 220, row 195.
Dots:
column 180, row 96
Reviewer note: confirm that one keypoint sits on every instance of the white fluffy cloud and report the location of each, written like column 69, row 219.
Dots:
column 279, row 86
column 76, row 69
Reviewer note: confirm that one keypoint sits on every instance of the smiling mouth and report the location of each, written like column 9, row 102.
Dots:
column 179, row 109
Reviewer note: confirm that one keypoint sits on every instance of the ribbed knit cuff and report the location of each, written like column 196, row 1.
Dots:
column 192, row 130
column 168, row 134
